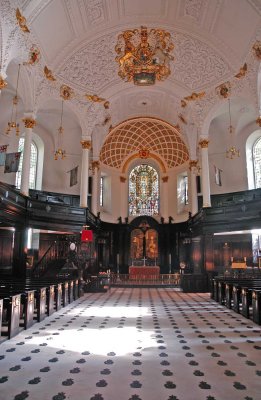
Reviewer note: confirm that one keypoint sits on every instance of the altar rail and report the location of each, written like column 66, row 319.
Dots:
column 159, row 280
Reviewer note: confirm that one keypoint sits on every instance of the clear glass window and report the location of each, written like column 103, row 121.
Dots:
column 33, row 165
column 257, row 163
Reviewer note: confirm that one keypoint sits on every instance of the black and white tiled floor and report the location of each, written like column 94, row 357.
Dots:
column 135, row 344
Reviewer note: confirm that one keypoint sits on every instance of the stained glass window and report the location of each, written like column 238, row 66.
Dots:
column 257, row 163
column 33, row 165
column 143, row 191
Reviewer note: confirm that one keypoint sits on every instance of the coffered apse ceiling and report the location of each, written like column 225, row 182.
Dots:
column 76, row 39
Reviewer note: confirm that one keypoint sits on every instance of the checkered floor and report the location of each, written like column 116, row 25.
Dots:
column 135, row 344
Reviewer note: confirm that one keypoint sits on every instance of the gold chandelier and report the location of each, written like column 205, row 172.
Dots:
column 232, row 151
column 144, row 56
column 60, row 152
column 13, row 124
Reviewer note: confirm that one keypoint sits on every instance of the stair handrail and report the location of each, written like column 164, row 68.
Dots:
column 39, row 267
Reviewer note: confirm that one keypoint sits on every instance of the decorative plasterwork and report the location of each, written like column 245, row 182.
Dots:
column 81, row 68
column 243, row 88
column 198, row 61
column 194, row 8
column 144, row 133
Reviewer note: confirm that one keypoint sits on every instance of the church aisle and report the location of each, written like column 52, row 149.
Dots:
column 135, row 344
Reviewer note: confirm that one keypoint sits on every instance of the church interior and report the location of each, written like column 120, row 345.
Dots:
column 130, row 192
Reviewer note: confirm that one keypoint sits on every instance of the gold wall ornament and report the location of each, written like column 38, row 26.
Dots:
column 204, row 143
column 122, row 179
column 257, row 49
column 258, row 121
column 144, row 55
column 94, row 98
column 29, row 122
column 86, row 144
column 165, row 179
column 66, row 92
column 48, row 74
column 224, row 90
column 3, row 83
column 182, row 119
column 21, row 21
column 34, row 56
column 144, row 153
column 242, row 72
column 106, row 105
column 195, row 96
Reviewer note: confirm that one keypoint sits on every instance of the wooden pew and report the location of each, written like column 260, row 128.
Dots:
column 237, row 293
column 10, row 314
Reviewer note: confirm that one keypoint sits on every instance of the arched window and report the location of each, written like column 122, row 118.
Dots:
column 33, row 165
column 143, row 191
column 257, row 162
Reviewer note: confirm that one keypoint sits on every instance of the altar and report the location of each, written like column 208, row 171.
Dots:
column 144, row 273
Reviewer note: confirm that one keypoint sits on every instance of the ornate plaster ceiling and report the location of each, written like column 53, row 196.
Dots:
column 77, row 40
column 144, row 133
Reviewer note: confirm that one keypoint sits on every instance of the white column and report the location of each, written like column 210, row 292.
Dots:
column 205, row 173
column 86, row 145
column 29, row 123
column 193, row 200
column 164, row 198
column 95, row 186
column 124, row 198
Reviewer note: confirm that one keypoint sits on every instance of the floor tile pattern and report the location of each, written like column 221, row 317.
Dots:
column 135, row 344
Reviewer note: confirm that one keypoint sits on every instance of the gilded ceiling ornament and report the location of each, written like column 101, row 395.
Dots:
column 182, row 119
column 204, row 143
column 106, row 105
column 224, row 90
column 144, row 56
column 242, row 72
column 29, row 122
column 258, row 121
column 183, row 103
column 95, row 98
column 34, row 56
column 257, row 49
column 66, row 92
column 195, row 96
column 21, row 21
column 144, row 153
column 3, row 83
column 86, row 144
column 48, row 74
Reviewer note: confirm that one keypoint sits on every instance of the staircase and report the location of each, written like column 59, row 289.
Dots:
column 52, row 261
